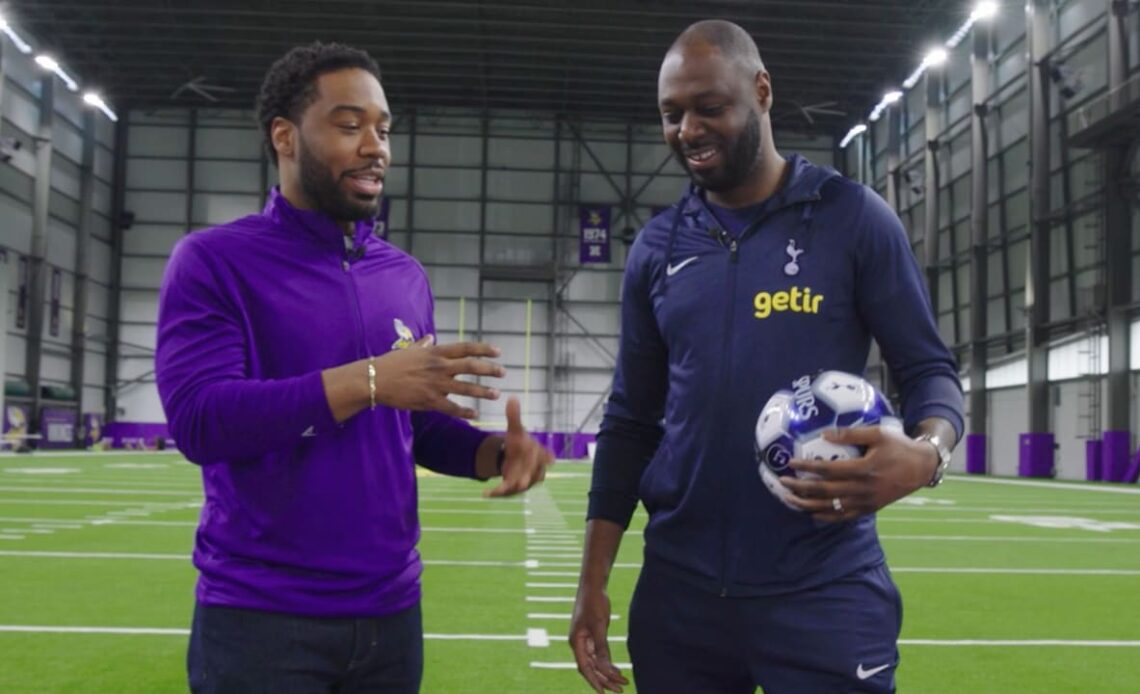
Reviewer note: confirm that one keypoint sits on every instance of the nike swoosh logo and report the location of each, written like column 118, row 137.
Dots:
column 674, row 269
column 308, row 433
column 867, row 674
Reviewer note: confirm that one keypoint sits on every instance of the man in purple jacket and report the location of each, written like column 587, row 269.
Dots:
column 297, row 367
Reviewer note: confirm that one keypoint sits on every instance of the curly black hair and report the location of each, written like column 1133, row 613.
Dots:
column 290, row 85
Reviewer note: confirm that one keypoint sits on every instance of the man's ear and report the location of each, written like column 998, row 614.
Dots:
column 764, row 90
column 283, row 135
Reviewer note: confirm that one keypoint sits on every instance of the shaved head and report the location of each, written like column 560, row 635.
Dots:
column 729, row 39
column 714, row 96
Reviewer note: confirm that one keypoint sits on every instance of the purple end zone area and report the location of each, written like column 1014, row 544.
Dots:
column 1094, row 464
column 1035, row 455
column 1116, row 454
column 975, row 454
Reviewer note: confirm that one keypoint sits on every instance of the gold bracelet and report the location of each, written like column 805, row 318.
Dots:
column 372, row 382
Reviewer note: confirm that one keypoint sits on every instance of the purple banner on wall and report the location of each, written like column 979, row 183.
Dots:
column 594, row 234
column 56, row 293
column 380, row 226
column 92, row 428
column 137, row 434
column 57, row 427
column 22, row 294
column 15, row 424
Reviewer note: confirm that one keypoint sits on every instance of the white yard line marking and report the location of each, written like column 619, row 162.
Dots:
column 1069, row 486
column 93, row 630
column 551, row 585
column 469, row 500
column 1034, row 572
column 1051, row 510
column 553, row 573
column 11, row 537
column 537, row 638
column 471, row 511
column 84, row 502
column 34, row 531
column 1006, row 538
column 555, row 555
column 432, row 529
column 532, row 635
column 1021, row 643
column 458, row 562
column 547, row 598
column 91, row 490
column 559, row 615
column 95, row 555
column 541, row 665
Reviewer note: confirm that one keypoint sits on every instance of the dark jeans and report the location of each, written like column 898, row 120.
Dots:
column 246, row 651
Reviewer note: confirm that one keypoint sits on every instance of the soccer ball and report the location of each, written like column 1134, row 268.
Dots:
column 792, row 423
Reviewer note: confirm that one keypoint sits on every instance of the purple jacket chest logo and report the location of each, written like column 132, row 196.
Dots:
column 404, row 336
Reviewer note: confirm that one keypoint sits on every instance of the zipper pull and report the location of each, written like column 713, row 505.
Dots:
column 732, row 246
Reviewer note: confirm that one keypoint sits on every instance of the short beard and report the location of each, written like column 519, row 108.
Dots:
column 321, row 188
column 741, row 159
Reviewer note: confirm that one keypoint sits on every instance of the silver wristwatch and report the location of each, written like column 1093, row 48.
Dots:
column 944, row 455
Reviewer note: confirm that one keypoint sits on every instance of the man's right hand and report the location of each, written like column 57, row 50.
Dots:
column 422, row 376
column 588, row 628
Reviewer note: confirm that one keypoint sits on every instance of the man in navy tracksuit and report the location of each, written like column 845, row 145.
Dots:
column 766, row 270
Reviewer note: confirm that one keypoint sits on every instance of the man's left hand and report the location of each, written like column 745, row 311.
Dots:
column 524, row 459
column 893, row 467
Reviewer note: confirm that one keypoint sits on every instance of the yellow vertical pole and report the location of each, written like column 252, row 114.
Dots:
column 462, row 316
column 526, row 360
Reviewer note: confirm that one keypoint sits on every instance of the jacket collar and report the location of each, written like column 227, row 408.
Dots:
column 324, row 228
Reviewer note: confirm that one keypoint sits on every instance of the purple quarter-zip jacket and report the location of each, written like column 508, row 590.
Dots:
column 301, row 515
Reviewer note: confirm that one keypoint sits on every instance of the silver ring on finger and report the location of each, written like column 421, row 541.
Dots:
column 837, row 504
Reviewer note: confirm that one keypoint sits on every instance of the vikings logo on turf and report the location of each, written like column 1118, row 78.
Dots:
column 405, row 338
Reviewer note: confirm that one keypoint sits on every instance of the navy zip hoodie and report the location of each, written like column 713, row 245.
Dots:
column 712, row 325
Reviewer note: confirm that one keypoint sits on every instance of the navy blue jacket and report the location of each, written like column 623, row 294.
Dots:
column 712, row 325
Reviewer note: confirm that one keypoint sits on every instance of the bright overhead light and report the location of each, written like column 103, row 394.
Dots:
column 47, row 62
column 986, row 9
column 93, row 99
column 852, row 134
column 11, row 33
column 51, row 65
column 936, row 57
column 983, row 10
column 889, row 98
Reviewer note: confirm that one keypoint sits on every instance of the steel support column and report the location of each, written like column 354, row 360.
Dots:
column 37, row 270
column 82, row 263
column 1035, row 451
column 1118, row 261
column 979, row 246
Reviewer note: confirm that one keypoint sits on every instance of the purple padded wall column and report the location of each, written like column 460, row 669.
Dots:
column 1094, row 467
column 1116, row 451
column 1035, row 455
column 976, row 454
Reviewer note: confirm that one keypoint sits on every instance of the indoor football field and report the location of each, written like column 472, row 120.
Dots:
column 1009, row 585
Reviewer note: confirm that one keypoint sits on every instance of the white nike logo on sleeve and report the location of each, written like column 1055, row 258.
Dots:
column 867, row 674
column 674, row 269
